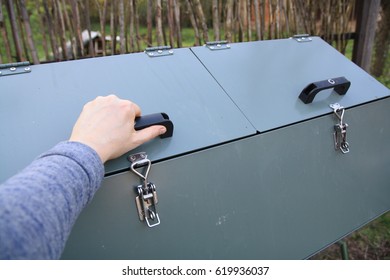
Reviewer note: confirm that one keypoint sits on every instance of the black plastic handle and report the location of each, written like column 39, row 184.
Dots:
column 155, row 119
column 340, row 85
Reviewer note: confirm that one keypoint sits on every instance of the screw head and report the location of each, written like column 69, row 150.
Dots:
column 12, row 69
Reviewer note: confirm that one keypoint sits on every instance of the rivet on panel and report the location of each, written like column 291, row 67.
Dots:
column 133, row 158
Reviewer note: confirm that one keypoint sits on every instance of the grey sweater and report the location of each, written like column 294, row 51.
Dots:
column 39, row 206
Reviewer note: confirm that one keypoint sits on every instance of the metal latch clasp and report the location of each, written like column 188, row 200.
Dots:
column 15, row 68
column 302, row 38
column 218, row 45
column 340, row 129
column 159, row 51
column 146, row 199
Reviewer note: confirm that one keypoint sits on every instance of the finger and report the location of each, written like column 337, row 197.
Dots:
column 147, row 134
column 137, row 109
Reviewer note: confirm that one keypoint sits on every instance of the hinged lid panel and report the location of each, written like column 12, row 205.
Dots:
column 265, row 79
column 39, row 109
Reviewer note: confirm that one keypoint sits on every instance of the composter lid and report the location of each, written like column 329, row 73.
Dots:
column 265, row 78
column 38, row 108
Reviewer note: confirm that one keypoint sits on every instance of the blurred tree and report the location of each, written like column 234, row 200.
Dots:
column 4, row 34
column 365, row 32
column 382, row 41
column 15, row 31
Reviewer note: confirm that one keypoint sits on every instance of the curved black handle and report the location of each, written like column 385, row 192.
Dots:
column 340, row 85
column 155, row 119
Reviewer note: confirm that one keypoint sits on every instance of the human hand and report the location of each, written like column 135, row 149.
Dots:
column 106, row 124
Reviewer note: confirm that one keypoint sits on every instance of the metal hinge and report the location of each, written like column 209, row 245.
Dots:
column 15, row 68
column 302, row 38
column 159, row 51
column 340, row 129
column 218, row 45
column 146, row 199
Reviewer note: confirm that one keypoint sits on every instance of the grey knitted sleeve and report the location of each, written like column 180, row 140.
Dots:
column 39, row 206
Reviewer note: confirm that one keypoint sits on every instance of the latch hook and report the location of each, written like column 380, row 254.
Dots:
column 338, row 110
column 140, row 160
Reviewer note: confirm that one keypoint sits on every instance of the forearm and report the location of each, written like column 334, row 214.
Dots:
column 65, row 180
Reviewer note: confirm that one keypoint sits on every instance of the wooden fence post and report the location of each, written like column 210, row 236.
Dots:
column 102, row 10
column 367, row 14
column 159, row 28
column 382, row 41
column 27, row 26
column 176, row 7
column 122, row 39
column 4, row 34
column 191, row 14
column 15, row 31
column 215, row 14
column 229, row 20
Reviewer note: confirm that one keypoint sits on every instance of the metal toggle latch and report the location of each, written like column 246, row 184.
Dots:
column 146, row 199
column 340, row 129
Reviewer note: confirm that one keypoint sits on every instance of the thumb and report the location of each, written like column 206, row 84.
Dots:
column 147, row 134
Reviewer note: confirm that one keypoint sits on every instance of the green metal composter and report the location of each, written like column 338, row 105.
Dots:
column 280, row 148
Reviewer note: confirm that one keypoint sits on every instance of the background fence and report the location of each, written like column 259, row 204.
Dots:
column 56, row 30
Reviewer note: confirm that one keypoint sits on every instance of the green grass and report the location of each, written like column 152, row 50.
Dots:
column 372, row 242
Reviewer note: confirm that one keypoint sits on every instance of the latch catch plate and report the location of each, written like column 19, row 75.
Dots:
column 146, row 201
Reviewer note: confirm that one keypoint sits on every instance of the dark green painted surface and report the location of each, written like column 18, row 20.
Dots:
column 284, row 194
column 38, row 109
column 265, row 78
